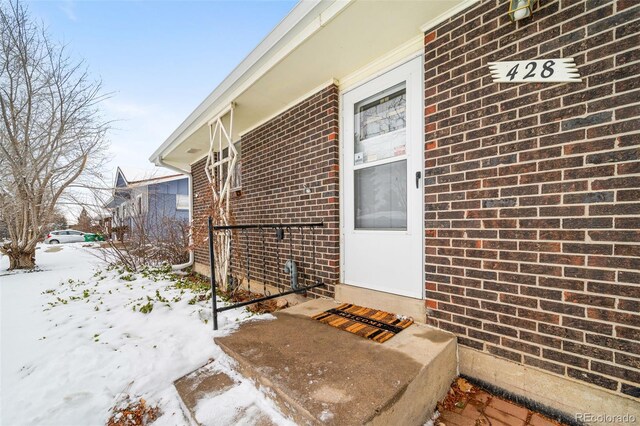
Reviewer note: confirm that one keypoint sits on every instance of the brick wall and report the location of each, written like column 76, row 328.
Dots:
column 533, row 190
column 202, row 204
column 289, row 175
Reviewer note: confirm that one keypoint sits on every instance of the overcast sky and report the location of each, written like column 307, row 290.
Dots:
column 160, row 59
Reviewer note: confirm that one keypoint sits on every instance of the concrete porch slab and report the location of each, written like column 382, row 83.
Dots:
column 321, row 375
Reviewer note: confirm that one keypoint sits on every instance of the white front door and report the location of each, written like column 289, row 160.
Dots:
column 382, row 186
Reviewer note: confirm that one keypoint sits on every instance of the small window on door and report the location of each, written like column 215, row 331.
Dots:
column 380, row 126
column 381, row 196
column 380, row 161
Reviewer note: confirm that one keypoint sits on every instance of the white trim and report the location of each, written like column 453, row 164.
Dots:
column 250, row 69
column 289, row 106
column 391, row 60
column 160, row 162
column 153, row 181
column 366, row 77
column 448, row 14
column 423, row 155
column 415, row 224
column 387, row 160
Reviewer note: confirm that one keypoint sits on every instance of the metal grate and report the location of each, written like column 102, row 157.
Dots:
column 281, row 256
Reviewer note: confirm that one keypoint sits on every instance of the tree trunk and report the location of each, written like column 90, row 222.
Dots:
column 22, row 259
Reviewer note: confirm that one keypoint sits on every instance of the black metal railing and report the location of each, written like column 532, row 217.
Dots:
column 266, row 253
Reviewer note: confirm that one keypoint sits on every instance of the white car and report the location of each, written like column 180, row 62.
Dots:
column 64, row 236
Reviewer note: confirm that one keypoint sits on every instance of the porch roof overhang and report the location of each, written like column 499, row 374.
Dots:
column 319, row 42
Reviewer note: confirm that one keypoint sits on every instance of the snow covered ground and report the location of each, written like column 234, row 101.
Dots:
column 73, row 339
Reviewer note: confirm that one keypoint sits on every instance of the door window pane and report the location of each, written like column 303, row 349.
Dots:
column 380, row 126
column 381, row 196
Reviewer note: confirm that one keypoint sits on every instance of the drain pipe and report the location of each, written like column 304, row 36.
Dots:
column 291, row 268
column 182, row 266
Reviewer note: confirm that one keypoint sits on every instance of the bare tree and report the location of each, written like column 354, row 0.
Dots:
column 51, row 129
column 58, row 221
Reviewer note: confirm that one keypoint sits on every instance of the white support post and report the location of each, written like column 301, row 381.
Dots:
column 221, row 191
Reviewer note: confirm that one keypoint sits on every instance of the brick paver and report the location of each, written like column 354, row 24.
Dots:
column 468, row 405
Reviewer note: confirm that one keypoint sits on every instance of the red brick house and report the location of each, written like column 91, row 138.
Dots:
column 506, row 213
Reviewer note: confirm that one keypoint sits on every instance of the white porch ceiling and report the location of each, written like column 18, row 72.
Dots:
column 361, row 32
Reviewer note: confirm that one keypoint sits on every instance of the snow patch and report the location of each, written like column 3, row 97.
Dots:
column 73, row 339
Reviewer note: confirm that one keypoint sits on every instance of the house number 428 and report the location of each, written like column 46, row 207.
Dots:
column 535, row 71
column 547, row 70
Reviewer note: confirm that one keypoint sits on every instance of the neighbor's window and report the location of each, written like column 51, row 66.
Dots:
column 236, row 179
column 182, row 202
column 139, row 204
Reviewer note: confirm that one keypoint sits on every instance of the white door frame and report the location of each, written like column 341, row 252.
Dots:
column 421, row 153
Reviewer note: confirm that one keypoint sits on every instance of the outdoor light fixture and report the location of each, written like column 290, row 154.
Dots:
column 520, row 9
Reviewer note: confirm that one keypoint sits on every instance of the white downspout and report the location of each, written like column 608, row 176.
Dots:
column 191, row 254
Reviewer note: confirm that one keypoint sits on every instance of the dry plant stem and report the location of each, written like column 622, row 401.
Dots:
column 149, row 240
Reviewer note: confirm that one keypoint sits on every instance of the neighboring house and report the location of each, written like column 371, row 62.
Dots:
column 146, row 199
column 504, row 213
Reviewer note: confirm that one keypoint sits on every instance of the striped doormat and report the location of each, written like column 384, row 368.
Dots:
column 373, row 324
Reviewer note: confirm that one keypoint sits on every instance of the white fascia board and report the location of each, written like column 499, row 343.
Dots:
column 448, row 14
column 248, row 71
column 144, row 183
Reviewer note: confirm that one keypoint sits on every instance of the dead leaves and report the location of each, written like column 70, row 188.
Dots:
column 267, row 306
column 133, row 413
column 458, row 395
column 463, row 385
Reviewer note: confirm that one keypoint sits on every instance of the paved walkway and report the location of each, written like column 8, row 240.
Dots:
column 467, row 405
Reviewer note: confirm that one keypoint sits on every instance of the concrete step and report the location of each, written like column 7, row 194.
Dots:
column 207, row 383
column 318, row 374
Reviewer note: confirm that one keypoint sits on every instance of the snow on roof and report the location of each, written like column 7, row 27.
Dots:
column 132, row 174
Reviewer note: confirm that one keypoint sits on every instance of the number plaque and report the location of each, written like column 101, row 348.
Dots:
column 535, row 71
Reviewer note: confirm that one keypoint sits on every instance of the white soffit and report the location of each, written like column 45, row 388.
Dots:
column 346, row 38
